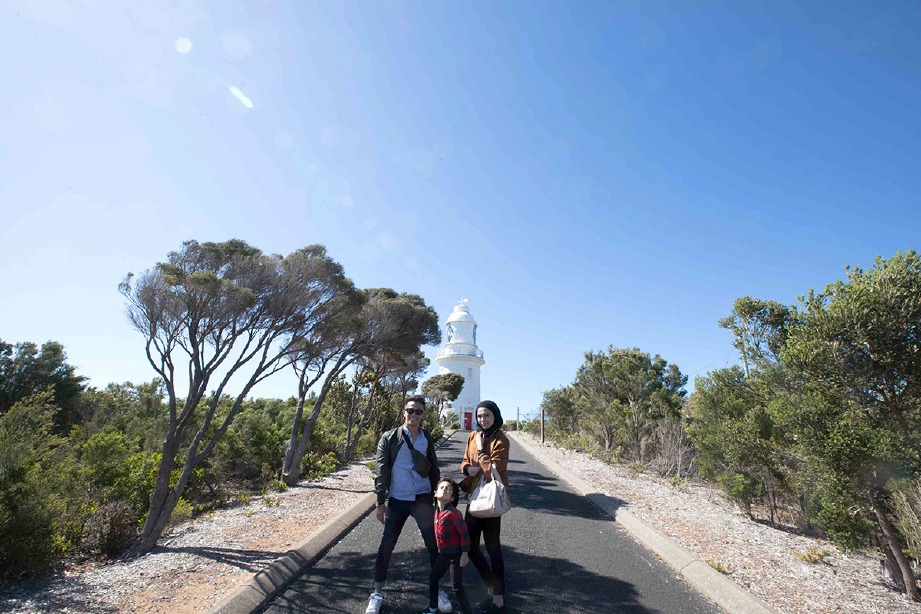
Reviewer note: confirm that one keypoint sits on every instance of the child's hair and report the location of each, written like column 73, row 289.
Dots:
column 454, row 490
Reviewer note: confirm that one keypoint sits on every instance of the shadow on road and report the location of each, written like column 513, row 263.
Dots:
column 537, row 584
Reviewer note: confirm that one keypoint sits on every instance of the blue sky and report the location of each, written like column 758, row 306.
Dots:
column 585, row 173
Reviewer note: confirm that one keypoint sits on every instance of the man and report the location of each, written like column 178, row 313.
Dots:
column 407, row 472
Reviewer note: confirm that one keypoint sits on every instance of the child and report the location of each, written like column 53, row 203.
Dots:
column 453, row 545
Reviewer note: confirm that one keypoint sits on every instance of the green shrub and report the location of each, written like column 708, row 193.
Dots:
column 110, row 528
column 741, row 489
column 811, row 555
column 32, row 496
column 275, row 485
column 906, row 499
column 315, row 467
column 720, row 567
column 181, row 513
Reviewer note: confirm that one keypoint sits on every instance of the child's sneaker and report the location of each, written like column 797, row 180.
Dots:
column 444, row 604
column 374, row 603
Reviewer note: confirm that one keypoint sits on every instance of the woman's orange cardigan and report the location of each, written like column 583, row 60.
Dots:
column 495, row 453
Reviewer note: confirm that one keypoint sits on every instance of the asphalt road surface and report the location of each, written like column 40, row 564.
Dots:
column 562, row 555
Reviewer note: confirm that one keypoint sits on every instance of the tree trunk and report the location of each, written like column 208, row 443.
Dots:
column 291, row 446
column 291, row 473
column 158, row 498
column 892, row 540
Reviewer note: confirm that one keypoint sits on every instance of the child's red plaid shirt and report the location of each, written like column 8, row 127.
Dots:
column 451, row 531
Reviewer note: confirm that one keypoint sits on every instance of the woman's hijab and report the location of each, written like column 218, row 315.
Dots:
column 497, row 418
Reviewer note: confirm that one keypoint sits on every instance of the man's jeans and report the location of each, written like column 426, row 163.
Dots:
column 423, row 510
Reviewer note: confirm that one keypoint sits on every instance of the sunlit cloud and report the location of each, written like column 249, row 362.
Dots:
column 183, row 45
column 348, row 202
column 244, row 100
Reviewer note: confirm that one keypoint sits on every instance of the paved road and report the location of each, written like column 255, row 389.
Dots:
column 562, row 555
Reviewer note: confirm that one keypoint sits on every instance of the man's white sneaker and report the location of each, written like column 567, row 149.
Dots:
column 444, row 604
column 374, row 603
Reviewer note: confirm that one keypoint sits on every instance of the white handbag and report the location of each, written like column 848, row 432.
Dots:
column 490, row 498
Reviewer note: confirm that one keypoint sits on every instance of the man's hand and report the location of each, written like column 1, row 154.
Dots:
column 464, row 559
column 381, row 512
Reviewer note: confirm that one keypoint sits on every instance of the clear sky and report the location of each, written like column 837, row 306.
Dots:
column 585, row 173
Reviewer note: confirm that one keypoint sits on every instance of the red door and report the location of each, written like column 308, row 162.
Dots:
column 468, row 422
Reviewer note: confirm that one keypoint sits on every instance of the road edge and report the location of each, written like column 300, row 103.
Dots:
column 253, row 595
column 712, row 584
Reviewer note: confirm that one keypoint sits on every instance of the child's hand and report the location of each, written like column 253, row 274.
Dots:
column 464, row 559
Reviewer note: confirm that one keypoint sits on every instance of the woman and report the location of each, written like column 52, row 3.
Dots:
column 487, row 447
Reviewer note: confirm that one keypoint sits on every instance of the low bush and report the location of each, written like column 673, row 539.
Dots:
column 109, row 529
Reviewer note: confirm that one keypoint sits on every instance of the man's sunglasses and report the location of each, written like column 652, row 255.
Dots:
column 418, row 412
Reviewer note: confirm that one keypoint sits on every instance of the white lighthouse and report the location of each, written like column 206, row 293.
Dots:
column 459, row 354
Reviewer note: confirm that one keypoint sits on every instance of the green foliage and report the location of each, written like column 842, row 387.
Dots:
column 736, row 437
column 105, row 467
column 442, row 388
column 811, row 555
column 276, row 486
column 621, row 394
column 760, row 329
column 720, row 567
column 858, row 422
column 252, row 448
column 110, row 528
column 741, row 489
column 906, row 498
column 26, row 370
column 32, row 510
column 183, row 512
column 560, row 410
column 316, row 466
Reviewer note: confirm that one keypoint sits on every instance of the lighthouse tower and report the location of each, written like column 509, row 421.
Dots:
column 460, row 355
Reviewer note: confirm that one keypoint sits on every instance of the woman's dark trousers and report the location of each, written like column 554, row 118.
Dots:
column 397, row 513
column 492, row 571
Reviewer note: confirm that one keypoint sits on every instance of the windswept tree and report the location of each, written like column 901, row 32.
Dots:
column 398, row 384
column 759, row 328
column 559, row 407
column 215, row 314
column 26, row 370
column 387, row 324
column 858, row 346
column 442, row 388
column 622, row 393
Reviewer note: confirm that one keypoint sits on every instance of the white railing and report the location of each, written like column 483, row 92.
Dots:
column 460, row 352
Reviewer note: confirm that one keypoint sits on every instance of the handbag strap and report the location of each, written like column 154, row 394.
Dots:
column 494, row 474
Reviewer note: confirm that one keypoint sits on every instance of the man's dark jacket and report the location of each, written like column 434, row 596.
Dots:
column 387, row 449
